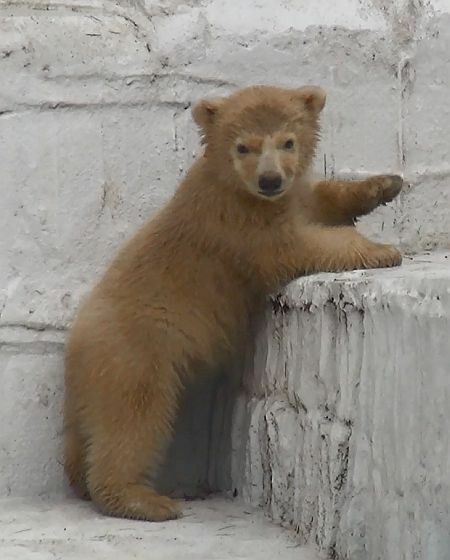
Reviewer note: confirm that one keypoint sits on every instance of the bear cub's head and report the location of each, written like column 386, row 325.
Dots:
column 261, row 138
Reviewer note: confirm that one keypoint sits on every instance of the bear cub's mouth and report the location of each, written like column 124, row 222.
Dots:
column 271, row 194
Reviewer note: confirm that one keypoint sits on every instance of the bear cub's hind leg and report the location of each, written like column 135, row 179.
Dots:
column 116, row 477
column 129, row 430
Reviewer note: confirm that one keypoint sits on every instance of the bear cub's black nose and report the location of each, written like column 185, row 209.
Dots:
column 269, row 183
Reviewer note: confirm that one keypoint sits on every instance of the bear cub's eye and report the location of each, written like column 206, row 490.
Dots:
column 242, row 149
column 288, row 145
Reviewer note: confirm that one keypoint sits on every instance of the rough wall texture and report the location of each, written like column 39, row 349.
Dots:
column 95, row 132
column 342, row 429
column 95, row 128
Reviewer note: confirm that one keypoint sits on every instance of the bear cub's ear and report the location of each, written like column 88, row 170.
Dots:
column 313, row 98
column 204, row 112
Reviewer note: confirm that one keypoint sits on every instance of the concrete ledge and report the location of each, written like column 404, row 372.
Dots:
column 342, row 430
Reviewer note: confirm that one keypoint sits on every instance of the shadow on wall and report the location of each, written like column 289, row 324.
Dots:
column 198, row 461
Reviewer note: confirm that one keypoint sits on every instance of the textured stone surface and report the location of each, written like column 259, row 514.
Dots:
column 343, row 427
column 31, row 412
column 211, row 530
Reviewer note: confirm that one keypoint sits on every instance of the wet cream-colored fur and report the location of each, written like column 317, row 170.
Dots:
column 180, row 295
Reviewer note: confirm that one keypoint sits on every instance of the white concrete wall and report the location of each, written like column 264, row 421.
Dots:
column 95, row 132
column 95, row 129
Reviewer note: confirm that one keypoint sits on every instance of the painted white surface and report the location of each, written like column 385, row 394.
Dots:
column 215, row 529
column 343, row 428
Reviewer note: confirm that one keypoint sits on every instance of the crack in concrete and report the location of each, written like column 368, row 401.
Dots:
column 32, row 347
column 31, row 338
column 139, row 80
column 35, row 327
column 63, row 106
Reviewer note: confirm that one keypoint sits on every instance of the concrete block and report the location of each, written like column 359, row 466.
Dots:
column 425, row 220
column 76, row 185
column 426, row 77
column 102, row 50
column 356, row 452
column 31, row 413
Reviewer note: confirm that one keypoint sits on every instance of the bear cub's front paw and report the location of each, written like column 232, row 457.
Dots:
column 389, row 187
